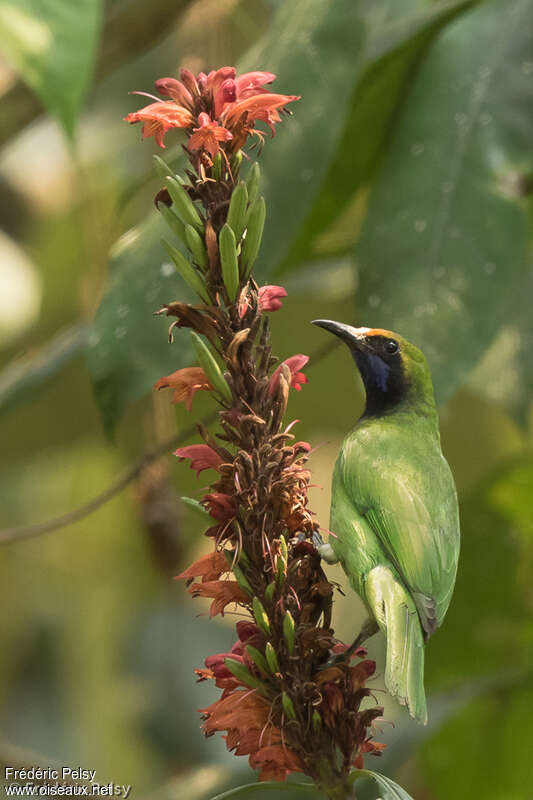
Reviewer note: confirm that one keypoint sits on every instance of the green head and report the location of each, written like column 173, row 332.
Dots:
column 395, row 373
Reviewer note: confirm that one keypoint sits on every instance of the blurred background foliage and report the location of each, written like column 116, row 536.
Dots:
column 398, row 195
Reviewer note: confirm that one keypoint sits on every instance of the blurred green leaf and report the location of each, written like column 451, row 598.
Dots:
column 307, row 46
column 127, row 351
column 20, row 379
column 505, row 373
column 443, row 251
column 388, row 789
column 396, row 39
column 265, row 786
column 488, row 626
column 485, row 751
column 52, row 45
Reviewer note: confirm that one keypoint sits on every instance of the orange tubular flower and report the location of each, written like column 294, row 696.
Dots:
column 262, row 106
column 294, row 363
column 224, row 105
column 160, row 117
column 185, row 382
column 245, row 716
column 201, row 455
column 222, row 592
column 221, row 506
column 208, row 568
column 208, row 136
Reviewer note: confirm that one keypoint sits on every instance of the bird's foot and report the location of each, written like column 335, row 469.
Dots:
column 325, row 551
column 369, row 628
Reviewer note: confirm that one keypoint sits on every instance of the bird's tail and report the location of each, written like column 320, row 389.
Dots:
column 396, row 615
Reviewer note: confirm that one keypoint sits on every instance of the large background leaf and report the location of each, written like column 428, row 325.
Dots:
column 306, row 45
column 443, row 250
column 127, row 349
column 52, row 45
column 397, row 35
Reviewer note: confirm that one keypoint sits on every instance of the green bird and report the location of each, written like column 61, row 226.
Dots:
column 394, row 513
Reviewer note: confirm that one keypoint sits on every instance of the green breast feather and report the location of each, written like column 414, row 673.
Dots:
column 394, row 502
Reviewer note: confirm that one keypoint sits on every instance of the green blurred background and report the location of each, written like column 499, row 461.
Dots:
column 398, row 195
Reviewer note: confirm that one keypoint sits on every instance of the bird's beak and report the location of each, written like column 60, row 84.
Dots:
column 353, row 337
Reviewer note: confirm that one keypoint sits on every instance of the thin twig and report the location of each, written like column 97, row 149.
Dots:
column 130, row 474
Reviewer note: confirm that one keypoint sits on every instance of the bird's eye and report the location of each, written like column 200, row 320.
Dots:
column 391, row 347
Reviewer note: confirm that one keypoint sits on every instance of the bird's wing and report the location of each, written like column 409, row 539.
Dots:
column 413, row 512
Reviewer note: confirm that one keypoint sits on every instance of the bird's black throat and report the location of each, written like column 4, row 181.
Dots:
column 384, row 378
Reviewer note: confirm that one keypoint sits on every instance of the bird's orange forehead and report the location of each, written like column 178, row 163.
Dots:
column 380, row 332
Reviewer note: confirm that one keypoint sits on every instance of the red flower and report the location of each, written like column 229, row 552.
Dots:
column 225, row 106
column 208, row 135
column 202, row 457
column 294, row 363
column 208, row 568
column 222, row 592
column 268, row 299
column 246, row 629
column 261, row 105
column 245, row 716
column 250, row 83
column 275, row 762
column 170, row 87
column 160, row 117
column 217, row 666
column 185, row 382
column 220, row 506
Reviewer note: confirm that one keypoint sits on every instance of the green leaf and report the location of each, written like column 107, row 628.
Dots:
column 258, row 788
column 388, row 789
column 488, row 624
column 307, row 45
column 489, row 744
column 19, row 380
column 394, row 46
column 52, row 45
column 505, row 373
column 442, row 255
column 127, row 349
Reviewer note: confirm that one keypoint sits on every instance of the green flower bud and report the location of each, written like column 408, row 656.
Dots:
column 269, row 592
column 288, row 631
column 260, row 616
column 252, row 181
column 196, row 246
column 272, row 659
column 242, row 580
column 288, row 706
column 241, row 673
column 187, row 272
column 229, row 262
column 184, row 205
column 173, row 221
column 209, row 365
column 217, row 166
column 257, row 657
column 283, row 548
column 198, row 508
column 162, row 169
column 237, row 210
column 254, row 234
column 235, row 163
